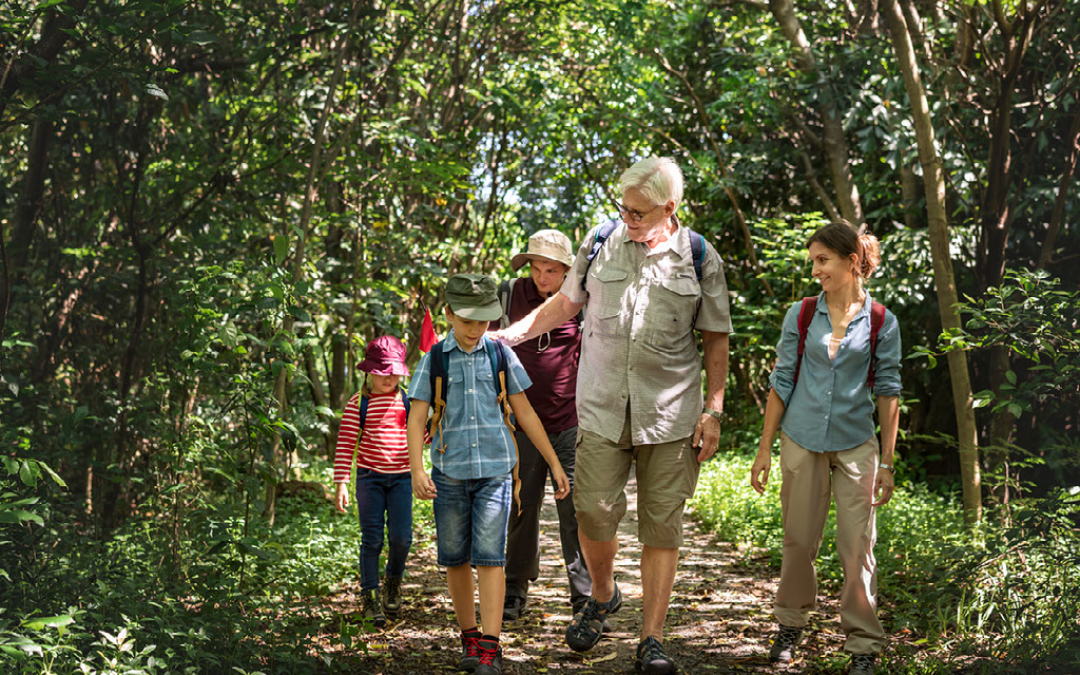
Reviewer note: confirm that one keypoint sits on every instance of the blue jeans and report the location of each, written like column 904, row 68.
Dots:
column 470, row 519
column 379, row 494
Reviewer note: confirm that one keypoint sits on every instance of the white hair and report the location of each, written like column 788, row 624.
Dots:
column 657, row 178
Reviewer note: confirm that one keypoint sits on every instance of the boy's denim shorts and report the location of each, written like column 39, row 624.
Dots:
column 470, row 519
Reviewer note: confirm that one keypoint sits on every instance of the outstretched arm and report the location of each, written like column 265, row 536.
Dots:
column 556, row 310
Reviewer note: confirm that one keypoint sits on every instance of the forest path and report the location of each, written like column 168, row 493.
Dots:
column 719, row 620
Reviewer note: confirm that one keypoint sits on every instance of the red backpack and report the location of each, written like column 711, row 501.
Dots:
column 806, row 315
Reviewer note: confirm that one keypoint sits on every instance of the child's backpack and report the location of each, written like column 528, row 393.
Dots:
column 364, row 401
column 697, row 248
column 806, row 315
column 440, row 366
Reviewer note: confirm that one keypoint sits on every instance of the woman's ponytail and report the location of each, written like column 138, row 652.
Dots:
column 869, row 254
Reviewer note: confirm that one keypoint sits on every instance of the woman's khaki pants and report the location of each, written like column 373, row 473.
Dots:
column 804, row 495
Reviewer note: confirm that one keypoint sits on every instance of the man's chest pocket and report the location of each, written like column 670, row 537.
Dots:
column 607, row 291
column 673, row 303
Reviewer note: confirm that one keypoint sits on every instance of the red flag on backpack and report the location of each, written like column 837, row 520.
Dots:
column 427, row 333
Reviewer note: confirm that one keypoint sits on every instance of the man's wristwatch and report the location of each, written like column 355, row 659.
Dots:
column 713, row 413
column 888, row 467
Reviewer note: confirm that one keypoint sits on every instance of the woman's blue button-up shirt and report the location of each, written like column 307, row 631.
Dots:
column 831, row 407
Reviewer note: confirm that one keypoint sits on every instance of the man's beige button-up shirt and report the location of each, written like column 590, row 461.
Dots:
column 642, row 306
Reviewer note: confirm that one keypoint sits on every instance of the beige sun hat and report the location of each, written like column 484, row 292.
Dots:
column 548, row 245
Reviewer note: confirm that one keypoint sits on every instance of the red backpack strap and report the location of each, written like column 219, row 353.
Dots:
column 877, row 320
column 806, row 315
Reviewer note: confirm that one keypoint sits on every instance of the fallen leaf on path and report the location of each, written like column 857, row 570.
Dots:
column 607, row 657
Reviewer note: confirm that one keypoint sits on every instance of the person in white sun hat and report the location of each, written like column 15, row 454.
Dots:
column 551, row 360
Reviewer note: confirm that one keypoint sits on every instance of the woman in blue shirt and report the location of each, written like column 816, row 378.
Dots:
column 823, row 405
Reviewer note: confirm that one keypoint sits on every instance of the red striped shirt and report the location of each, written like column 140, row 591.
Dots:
column 383, row 445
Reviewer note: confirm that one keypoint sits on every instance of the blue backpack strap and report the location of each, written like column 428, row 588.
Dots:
column 697, row 252
column 405, row 401
column 437, row 369
column 602, row 234
column 363, row 414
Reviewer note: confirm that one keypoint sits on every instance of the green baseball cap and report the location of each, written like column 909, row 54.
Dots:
column 474, row 297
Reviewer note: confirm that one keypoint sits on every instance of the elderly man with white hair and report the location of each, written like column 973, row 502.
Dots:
column 645, row 284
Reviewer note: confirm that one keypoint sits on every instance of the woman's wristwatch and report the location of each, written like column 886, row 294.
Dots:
column 888, row 467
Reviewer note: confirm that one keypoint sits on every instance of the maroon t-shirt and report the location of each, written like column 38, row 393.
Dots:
column 551, row 361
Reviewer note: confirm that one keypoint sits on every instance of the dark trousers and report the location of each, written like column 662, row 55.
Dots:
column 523, row 532
column 383, row 500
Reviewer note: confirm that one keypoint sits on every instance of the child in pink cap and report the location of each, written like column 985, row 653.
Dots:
column 377, row 415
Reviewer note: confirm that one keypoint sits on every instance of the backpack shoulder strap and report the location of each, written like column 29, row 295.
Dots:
column 364, row 401
column 437, row 369
column 506, row 292
column 806, row 315
column 602, row 234
column 405, row 401
column 697, row 251
column 877, row 320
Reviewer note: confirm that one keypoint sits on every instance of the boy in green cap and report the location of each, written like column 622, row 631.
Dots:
column 470, row 379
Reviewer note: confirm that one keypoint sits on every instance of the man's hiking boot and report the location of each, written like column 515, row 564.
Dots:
column 783, row 647
column 371, row 608
column 470, row 650
column 862, row 664
column 513, row 607
column 391, row 596
column 605, row 626
column 490, row 662
column 587, row 625
column 652, row 659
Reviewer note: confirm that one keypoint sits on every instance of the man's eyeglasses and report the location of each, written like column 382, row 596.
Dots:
column 635, row 216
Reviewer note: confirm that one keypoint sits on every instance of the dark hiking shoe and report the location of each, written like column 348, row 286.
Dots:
column 490, row 662
column 587, row 625
column 513, row 607
column 605, row 626
column 470, row 651
column 862, row 664
column 371, row 608
column 652, row 659
column 391, row 598
column 783, row 647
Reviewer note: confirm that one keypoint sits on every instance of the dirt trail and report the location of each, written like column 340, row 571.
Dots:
column 719, row 619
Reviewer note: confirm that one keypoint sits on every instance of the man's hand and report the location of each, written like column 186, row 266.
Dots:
column 883, row 487
column 706, row 436
column 341, row 496
column 505, row 335
column 422, row 485
column 759, row 472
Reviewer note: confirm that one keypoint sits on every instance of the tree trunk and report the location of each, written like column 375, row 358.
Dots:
column 833, row 138
column 1047, row 252
column 934, row 183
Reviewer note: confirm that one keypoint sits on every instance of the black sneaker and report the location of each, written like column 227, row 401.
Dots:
column 513, row 607
column 470, row 651
column 783, row 647
column 652, row 659
column 371, row 608
column 587, row 625
column 490, row 662
column 391, row 596
column 862, row 664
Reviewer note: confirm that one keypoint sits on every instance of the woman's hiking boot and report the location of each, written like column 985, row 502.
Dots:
column 490, row 661
column 783, row 647
column 470, row 650
column 652, row 659
column 587, row 625
column 371, row 608
column 862, row 664
column 391, row 596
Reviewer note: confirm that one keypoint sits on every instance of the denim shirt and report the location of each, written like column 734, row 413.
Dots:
column 831, row 407
column 478, row 444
